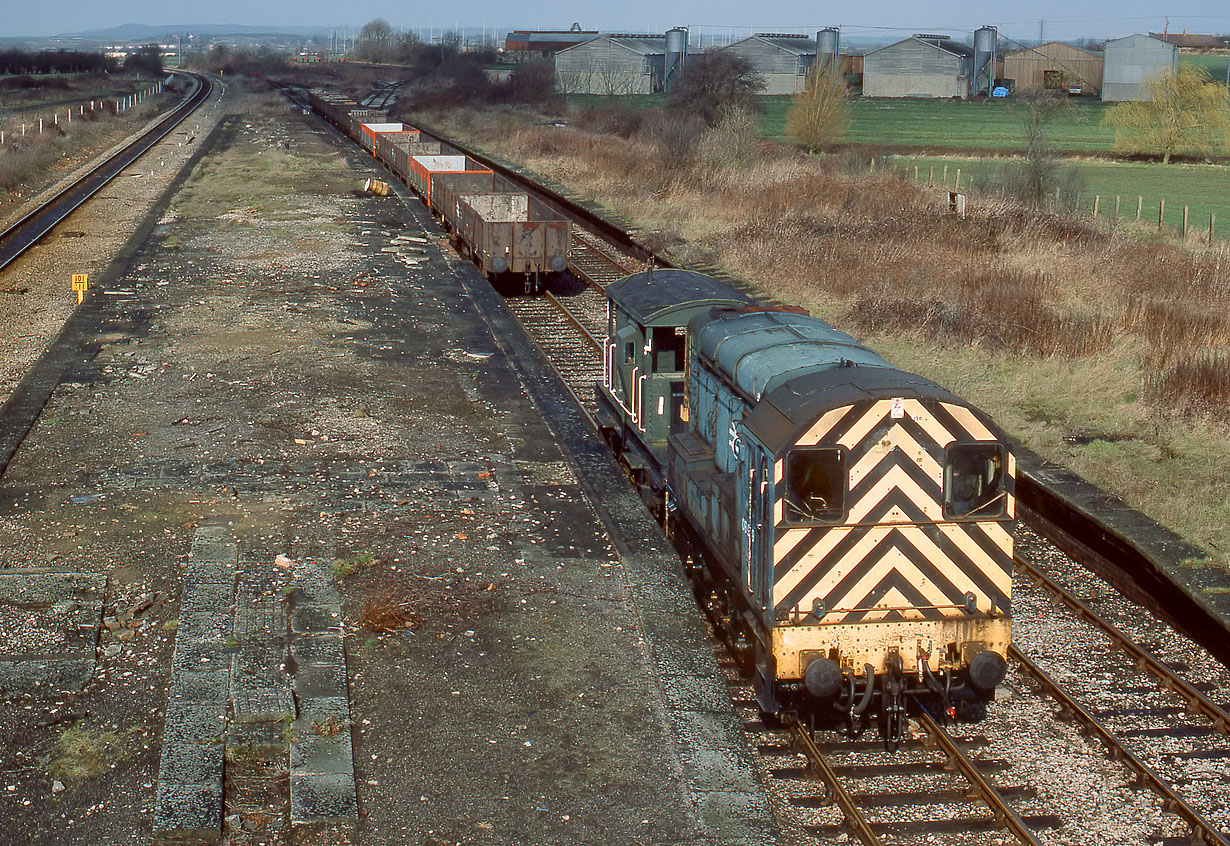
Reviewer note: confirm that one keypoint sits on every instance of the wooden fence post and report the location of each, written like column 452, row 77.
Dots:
column 1185, row 221
column 1118, row 197
column 1212, row 217
column 957, row 186
column 1097, row 203
column 1161, row 212
column 945, row 177
column 1140, row 204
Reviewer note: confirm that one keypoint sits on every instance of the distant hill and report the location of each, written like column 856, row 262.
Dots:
column 136, row 32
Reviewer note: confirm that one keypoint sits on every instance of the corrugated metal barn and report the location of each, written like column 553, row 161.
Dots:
column 781, row 60
column 1132, row 60
column 1054, row 67
column 919, row 66
column 612, row 64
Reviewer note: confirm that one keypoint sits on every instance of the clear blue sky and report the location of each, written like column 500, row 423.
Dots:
column 1062, row 19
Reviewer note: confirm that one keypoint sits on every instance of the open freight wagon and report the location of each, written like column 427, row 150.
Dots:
column 514, row 233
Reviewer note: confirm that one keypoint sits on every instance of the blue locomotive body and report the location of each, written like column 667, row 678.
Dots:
column 849, row 525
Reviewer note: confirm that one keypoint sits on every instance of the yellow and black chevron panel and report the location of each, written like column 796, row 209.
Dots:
column 893, row 554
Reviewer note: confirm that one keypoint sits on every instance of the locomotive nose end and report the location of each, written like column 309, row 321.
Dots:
column 987, row 669
column 822, row 678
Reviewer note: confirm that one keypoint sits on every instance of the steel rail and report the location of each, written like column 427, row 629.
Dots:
column 817, row 765
column 1005, row 816
column 575, row 322
column 1202, row 830
column 1197, row 702
column 583, row 265
column 1117, row 558
column 27, row 231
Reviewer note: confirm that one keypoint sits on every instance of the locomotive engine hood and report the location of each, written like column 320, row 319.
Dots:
column 792, row 368
column 784, row 414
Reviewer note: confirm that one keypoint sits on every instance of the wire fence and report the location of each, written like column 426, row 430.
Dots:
column 1165, row 214
column 61, row 117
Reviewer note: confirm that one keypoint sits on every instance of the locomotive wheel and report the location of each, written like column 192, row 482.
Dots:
column 772, row 721
column 971, row 710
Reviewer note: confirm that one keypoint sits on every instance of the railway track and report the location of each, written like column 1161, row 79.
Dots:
column 598, row 262
column 26, row 232
column 566, row 343
column 937, row 785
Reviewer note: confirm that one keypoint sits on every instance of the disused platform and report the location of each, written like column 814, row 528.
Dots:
column 288, row 420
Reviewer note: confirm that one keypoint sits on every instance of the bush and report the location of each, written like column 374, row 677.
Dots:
column 712, row 83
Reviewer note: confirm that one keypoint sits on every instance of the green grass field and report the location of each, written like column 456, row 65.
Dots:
column 1215, row 65
column 1201, row 187
column 956, row 124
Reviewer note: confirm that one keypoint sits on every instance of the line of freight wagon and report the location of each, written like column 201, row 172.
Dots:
column 504, row 230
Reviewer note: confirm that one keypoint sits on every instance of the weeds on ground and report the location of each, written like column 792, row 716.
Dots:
column 329, row 727
column 345, row 567
column 82, row 752
column 387, row 611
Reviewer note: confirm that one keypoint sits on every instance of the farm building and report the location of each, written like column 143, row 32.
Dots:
column 1132, row 60
column 919, row 66
column 526, row 44
column 1054, row 67
column 612, row 64
column 1192, row 41
column 781, row 60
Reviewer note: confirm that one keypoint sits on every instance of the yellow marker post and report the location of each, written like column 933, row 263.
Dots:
column 81, row 284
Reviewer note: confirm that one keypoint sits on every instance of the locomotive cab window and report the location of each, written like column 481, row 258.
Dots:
column 815, row 486
column 669, row 346
column 974, row 481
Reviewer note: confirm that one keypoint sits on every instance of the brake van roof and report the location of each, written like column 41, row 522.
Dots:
column 664, row 297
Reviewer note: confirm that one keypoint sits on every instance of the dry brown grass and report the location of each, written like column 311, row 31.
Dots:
column 387, row 610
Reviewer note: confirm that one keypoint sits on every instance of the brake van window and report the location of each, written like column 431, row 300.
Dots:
column 815, row 486
column 974, row 481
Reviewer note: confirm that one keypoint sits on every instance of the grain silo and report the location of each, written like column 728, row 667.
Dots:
column 828, row 42
column 982, row 74
column 676, row 55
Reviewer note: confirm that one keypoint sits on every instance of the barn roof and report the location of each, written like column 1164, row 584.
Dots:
column 798, row 45
column 1051, row 47
column 644, row 45
column 946, row 45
